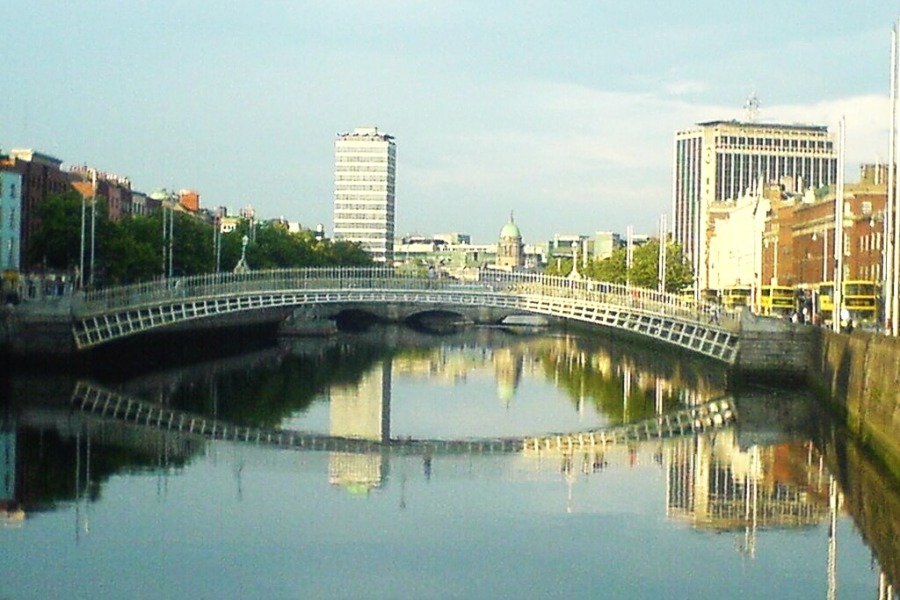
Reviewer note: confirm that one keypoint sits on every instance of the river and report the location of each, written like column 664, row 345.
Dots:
column 362, row 465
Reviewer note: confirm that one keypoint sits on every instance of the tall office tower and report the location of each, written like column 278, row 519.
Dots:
column 364, row 176
column 720, row 161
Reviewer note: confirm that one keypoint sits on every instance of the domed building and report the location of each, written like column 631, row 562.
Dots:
column 510, row 249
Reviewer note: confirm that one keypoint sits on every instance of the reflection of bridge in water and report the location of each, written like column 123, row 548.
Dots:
column 711, row 482
column 105, row 404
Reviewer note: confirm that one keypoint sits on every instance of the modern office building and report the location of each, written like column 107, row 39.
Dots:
column 720, row 161
column 364, row 178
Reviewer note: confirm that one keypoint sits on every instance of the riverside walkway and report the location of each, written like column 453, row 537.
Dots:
column 104, row 404
column 101, row 316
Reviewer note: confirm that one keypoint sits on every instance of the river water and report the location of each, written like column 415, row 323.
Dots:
column 99, row 504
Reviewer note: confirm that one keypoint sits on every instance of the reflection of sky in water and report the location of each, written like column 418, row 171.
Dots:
column 240, row 523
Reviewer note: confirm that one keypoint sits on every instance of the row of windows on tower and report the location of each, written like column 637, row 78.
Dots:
column 770, row 142
column 361, row 149
column 360, row 159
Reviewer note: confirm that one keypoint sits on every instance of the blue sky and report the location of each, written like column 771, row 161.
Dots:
column 563, row 112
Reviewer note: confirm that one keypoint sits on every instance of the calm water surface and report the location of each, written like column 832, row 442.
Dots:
column 98, row 505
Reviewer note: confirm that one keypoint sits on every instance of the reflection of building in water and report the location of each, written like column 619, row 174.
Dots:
column 508, row 368
column 10, row 511
column 715, row 485
column 361, row 411
column 452, row 364
column 640, row 374
column 7, row 464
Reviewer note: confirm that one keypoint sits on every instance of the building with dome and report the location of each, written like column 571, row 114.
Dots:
column 510, row 249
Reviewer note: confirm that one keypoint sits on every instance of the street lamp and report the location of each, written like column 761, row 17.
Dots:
column 168, row 239
column 93, row 230
column 839, row 233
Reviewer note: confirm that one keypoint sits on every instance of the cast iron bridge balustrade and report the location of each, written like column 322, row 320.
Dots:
column 105, row 404
column 113, row 313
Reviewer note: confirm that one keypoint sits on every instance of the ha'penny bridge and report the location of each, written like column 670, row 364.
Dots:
column 99, row 403
column 98, row 317
column 71, row 324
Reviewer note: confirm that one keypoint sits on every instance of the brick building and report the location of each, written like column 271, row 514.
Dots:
column 41, row 176
column 115, row 191
column 773, row 236
column 799, row 239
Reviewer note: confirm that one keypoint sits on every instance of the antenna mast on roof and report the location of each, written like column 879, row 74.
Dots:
column 751, row 108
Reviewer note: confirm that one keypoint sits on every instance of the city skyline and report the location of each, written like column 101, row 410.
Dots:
column 563, row 114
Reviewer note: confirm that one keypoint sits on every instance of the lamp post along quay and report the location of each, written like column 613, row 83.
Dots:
column 837, row 309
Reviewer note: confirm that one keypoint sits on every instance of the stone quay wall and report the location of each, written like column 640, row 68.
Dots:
column 772, row 351
column 860, row 373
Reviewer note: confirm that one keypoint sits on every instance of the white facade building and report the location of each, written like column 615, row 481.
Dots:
column 364, row 178
column 735, row 257
column 720, row 161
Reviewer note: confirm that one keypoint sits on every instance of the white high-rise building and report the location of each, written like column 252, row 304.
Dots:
column 364, row 177
column 721, row 161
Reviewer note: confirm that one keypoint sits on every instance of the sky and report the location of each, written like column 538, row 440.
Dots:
column 563, row 113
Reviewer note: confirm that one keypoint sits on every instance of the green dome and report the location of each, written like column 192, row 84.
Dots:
column 510, row 230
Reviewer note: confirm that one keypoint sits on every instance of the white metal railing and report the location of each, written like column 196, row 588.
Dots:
column 483, row 281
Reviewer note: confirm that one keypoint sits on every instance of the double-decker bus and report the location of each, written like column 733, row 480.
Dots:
column 860, row 298
column 776, row 300
column 736, row 297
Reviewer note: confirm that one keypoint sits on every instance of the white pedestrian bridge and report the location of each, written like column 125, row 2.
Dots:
column 101, row 316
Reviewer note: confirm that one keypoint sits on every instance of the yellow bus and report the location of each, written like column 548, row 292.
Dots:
column 859, row 297
column 776, row 300
column 736, row 297
column 861, row 300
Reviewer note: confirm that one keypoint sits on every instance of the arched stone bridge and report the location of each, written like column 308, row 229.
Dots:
column 115, row 313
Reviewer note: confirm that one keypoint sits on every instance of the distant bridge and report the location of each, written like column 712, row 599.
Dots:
column 102, row 316
column 105, row 404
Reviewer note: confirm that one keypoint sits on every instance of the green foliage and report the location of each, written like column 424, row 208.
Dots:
column 559, row 267
column 132, row 250
column 57, row 243
column 644, row 270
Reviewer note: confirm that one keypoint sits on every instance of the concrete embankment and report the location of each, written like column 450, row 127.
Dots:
column 860, row 373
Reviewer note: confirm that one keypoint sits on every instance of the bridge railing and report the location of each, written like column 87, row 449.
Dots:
column 483, row 281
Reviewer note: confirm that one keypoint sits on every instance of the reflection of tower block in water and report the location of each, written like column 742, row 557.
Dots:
column 361, row 411
column 358, row 473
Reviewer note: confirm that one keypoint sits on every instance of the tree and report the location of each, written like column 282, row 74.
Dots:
column 644, row 271
column 57, row 242
column 559, row 267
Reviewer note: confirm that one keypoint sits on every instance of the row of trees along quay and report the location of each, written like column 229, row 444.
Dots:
column 643, row 270
column 137, row 248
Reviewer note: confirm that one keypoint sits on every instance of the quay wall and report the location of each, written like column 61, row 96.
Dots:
column 860, row 374
column 772, row 351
